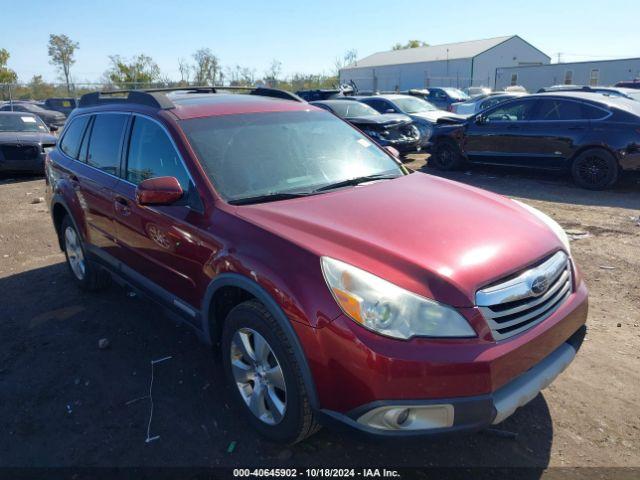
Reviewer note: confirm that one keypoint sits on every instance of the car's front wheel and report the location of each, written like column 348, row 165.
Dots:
column 595, row 169
column 265, row 377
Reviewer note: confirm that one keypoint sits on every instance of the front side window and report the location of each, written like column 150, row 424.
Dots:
column 72, row 138
column 258, row 154
column 512, row 112
column 105, row 141
column 151, row 154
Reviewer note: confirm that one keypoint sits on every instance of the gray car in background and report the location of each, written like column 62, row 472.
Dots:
column 423, row 114
column 480, row 103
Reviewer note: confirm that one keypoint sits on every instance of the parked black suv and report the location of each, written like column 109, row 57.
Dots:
column 62, row 105
column 593, row 136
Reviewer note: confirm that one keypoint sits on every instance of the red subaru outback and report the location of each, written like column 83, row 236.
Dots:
column 337, row 285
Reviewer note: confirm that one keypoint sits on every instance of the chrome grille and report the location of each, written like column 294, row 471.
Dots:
column 517, row 304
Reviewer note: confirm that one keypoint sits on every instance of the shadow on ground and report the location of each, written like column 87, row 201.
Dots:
column 65, row 402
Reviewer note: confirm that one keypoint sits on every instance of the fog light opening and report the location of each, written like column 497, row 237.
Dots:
column 422, row 417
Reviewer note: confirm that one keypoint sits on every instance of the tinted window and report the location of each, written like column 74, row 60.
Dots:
column 106, row 138
column 512, row 112
column 553, row 110
column 593, row 113
column 151, row 154
column 10, row 122
column 70, row 143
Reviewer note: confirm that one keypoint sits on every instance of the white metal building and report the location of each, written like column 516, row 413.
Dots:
column 453, row 65
column 604, row 72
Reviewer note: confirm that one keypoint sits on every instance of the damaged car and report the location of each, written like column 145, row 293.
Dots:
column 24, row 142
column 387, row 129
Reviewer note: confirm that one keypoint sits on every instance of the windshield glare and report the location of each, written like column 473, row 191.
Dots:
column 21, row 123
column 413, row 105
column 257, row 154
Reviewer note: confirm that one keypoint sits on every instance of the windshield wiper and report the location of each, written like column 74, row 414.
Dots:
column 270, row 197
column 357, row 181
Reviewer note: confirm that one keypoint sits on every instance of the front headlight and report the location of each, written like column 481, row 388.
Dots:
column 388, row 309
column 549, row 222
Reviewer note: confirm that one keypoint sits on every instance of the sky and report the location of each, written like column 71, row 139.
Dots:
column 306, row 36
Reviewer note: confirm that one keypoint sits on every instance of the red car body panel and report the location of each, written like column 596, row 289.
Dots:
column 437, row 238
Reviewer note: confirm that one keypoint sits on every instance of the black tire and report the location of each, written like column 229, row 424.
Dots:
column 298, row 421
column 446, row 156
column 93, row 277
column 595, row 169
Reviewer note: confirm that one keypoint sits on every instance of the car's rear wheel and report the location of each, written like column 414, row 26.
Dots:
column 446, row 156
column 264, row 375
column 84, row 271
column 595, row 169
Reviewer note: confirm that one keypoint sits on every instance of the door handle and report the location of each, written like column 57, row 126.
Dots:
column 122, row 206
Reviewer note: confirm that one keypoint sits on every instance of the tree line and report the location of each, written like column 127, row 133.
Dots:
column 203, row 67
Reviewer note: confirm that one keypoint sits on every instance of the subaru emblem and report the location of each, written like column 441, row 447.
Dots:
column 539, row 285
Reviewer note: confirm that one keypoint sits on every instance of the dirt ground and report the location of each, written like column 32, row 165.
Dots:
column 65, row 402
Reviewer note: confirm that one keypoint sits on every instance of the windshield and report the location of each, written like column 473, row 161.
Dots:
column 256, row 154
column 413, row 105
column 21, row 123
column 352, row 109
column 456, row 94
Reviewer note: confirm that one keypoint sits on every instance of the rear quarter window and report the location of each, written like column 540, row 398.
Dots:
column 72, row 138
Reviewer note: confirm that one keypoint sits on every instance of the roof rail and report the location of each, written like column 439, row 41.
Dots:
column 157, row 98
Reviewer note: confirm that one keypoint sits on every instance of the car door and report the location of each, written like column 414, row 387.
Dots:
column 160, row 245
column 500, row 135
column 556, row 129
column 96, row 174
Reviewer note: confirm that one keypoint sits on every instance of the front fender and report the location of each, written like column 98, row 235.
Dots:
column 249, row 285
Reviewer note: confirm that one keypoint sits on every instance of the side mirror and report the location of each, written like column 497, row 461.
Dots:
column 159, row 191
column 53, row 128
column 480, row 120
column 392, row 151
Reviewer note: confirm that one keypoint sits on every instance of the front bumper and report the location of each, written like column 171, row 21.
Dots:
column 438, row 416
column 35, row 165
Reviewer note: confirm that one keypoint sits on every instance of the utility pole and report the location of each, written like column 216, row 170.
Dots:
column 559, row 57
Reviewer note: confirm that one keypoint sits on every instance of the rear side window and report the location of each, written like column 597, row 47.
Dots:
column 593, row 113
column 105, row 142
column 550, row 110
column 151, row 154
column 72, row 139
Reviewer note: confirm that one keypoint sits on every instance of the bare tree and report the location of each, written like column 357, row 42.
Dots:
column 273, row 73
column 349, row 57
column 61, row 51
column 207, row 67
column 185, row 71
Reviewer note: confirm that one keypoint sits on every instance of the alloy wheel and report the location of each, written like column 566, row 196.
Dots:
column 258, row 376
column 593, row 169
column 75, row 255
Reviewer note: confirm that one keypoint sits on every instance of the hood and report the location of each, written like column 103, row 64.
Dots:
column 438, row 238
column 28, row 137
column 434, row 115
column 385, row 119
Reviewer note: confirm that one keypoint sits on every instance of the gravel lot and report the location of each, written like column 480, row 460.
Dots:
column 66, row 402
